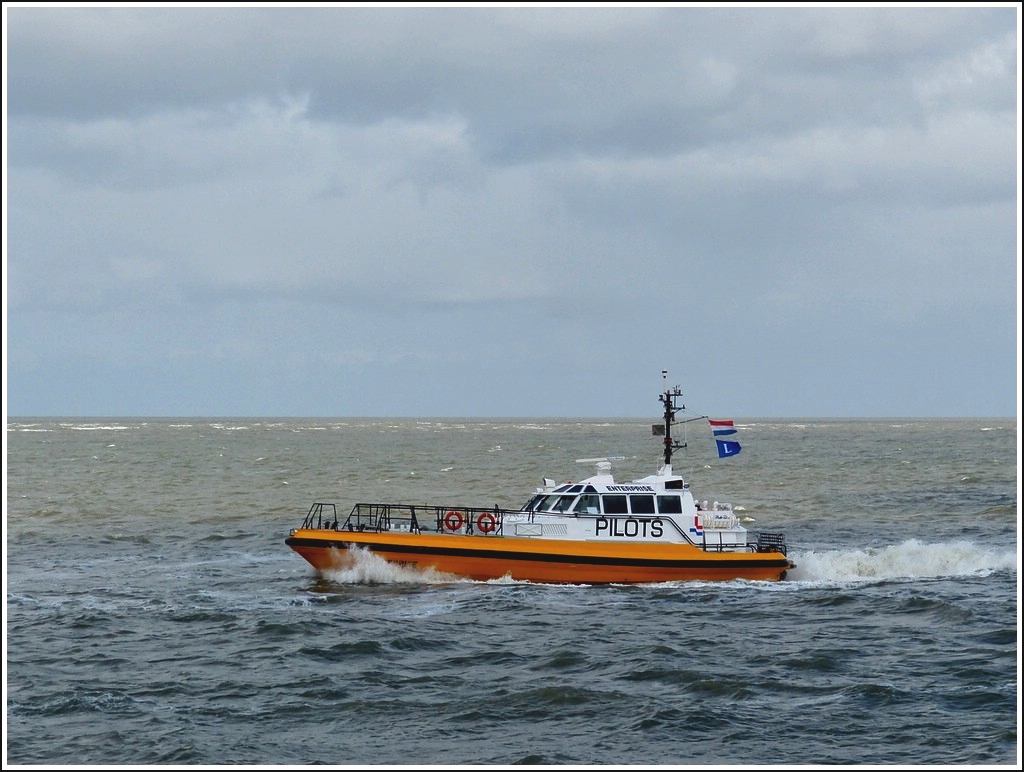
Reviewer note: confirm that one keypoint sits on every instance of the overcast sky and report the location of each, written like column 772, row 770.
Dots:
column 511, row 211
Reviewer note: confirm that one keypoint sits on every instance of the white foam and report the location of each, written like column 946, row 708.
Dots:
column 367, row 568
column 908, row 560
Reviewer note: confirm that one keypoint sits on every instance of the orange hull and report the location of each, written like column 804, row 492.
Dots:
column 535, row 560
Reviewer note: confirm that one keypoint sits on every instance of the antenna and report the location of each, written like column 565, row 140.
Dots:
column 668, row 398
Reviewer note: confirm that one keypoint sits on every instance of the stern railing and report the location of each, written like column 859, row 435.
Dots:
column 770, row 541
column 414, row 518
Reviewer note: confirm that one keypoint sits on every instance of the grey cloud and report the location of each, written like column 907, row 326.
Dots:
column 367, row 189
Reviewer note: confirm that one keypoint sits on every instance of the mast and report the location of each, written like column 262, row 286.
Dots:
column 668, row 398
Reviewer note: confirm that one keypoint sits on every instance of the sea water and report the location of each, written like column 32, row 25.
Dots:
column 154, row 614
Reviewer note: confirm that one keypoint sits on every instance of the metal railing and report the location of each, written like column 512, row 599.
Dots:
column 770, row 541
column 414, row 518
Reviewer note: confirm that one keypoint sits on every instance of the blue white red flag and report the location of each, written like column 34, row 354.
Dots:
column 721, row 428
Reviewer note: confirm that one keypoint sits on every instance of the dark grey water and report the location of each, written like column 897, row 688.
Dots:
column 155, row 616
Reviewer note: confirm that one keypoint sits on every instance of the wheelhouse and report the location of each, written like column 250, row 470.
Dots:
column 589, row 501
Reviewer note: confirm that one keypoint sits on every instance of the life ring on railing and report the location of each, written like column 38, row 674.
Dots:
column 453, row 521
column 486, row 522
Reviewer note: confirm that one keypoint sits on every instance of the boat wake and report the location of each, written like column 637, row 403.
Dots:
column 911, row 559
column 363, row 567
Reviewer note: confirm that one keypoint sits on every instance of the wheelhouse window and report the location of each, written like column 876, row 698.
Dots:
column 670, row 505
column 641, row 504
column 556, row 503
column 614, row 504
column 588, row 504
column 532, row 504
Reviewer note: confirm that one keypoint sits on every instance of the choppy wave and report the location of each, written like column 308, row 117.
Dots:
column 156, row 615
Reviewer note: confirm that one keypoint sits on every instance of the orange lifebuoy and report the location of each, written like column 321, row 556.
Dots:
column 486, row 522
column 453, row 521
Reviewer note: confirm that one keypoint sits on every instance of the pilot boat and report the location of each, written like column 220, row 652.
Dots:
column 591, row 531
